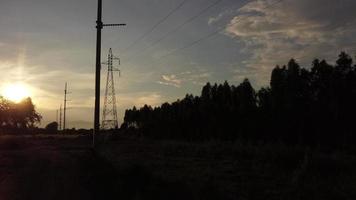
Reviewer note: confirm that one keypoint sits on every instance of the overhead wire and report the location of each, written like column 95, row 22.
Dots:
column 215, row 3
column 160, row 59
column 154, row 26
column 210, row 35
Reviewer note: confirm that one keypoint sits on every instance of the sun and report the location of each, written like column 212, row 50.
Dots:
column 15, row 92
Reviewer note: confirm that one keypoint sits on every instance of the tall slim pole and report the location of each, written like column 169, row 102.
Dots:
column 99, row 27
column 60, row 117
column 65, row 107
column 57, row 119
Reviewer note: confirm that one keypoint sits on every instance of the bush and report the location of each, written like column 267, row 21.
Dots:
column 52, row 127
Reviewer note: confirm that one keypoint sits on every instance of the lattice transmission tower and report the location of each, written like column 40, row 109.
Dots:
column 110, row 120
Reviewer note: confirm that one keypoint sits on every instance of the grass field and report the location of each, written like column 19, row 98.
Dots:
column 48, row 167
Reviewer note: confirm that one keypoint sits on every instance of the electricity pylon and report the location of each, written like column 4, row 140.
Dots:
column 110, row 112
column 99, row 26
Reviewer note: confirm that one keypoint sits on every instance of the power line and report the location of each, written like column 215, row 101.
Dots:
column 178, row 27
column 155, row 26
column 211, row 34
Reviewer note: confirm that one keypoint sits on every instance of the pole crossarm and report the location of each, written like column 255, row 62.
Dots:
column 113, row 25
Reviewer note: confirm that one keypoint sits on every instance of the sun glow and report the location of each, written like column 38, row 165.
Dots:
column 15, row 92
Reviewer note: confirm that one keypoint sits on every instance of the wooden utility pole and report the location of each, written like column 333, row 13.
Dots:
column 99, row 27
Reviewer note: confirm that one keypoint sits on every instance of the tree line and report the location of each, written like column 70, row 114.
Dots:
column 314, row 105
column 21, row 115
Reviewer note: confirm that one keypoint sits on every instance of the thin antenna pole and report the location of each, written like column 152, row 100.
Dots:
column 60, row 117
column 99, row 27
column 65, row 106
column 57, row 118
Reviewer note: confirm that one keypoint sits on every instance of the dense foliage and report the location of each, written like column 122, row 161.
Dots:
column 301, row 106
column 18, row 115
column 52, row 127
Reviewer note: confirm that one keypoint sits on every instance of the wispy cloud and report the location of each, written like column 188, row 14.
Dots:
column 176, row 80
column 139, row 99
column 217, row 18
column 298, row 29
column 171, row 80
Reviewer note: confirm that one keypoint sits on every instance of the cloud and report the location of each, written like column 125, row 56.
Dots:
column 176, row 80
column 199, row 78
column 171, row 80
column 139, row 99
column 220, row 16
column 272, row 34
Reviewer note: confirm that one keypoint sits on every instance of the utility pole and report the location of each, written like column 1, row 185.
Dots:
column 65, row 106
column 99, row 27
column 60, row 117
column 57, row 118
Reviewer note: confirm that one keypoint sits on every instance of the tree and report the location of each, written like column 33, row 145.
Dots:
column 264, row 99
column 247, row 96
column 52, row 127
column 344, row 63
column 278, row 85
column 18, row 115
column 302, row 106
column 24, row 114
column 4, row 111
column 206, row 92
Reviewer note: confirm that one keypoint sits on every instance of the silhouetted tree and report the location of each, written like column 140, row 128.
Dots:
column 52, row 127
column 301, row 106
column 18, row 115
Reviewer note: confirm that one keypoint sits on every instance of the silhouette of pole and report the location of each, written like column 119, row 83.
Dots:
column 57, row 118
column 65, row 106
column 99, row 27
column 60, row 117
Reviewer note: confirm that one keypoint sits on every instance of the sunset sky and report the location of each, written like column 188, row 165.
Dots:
column 44, row 43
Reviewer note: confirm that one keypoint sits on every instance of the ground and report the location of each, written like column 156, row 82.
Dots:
column 66, row 167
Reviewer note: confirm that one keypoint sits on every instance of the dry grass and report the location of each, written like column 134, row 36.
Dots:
column 60, row 167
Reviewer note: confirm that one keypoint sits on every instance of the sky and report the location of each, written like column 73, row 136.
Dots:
column 45, row 43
